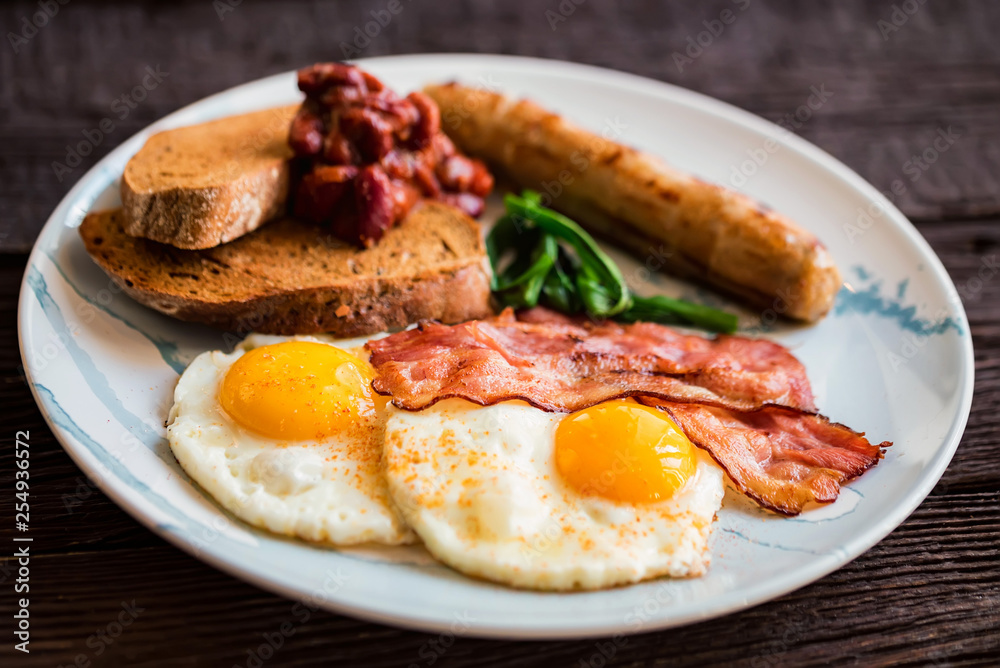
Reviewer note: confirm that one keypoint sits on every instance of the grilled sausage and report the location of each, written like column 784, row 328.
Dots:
column 692, row 228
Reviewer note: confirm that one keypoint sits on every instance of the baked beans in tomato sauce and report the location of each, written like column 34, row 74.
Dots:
column 366, row 156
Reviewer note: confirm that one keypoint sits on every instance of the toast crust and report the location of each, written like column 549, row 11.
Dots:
column 291, row 277
column 201, row 186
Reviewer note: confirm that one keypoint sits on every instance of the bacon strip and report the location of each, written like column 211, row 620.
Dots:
column 747, row 402
column 782, row 458
column 566, row 366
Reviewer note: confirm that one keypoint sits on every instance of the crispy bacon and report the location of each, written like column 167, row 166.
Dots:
column 566, row 366
column 746, row 401
column 781, row 457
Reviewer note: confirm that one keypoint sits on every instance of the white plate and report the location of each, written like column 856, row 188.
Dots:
column 893, row 359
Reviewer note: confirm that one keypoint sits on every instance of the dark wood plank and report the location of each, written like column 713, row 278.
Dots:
column 929, row 592
column 926, row 591
column 889, row 96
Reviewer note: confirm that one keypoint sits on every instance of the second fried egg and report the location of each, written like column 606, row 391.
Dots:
column 609, row 495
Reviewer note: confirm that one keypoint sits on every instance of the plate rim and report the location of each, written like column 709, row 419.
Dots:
column 120, row 493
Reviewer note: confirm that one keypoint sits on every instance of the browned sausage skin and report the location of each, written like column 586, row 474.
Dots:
column 693, row 228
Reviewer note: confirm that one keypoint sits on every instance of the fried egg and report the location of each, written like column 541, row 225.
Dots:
column 609, row 495
column 287, row 434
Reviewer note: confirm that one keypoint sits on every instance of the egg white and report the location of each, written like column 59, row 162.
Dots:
column 328, row 491
column 480, row 487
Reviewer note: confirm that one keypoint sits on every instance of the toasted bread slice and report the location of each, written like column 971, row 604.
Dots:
column 290, row 277
column 203, row 185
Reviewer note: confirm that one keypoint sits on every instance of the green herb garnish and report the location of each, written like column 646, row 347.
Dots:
column 544, row 271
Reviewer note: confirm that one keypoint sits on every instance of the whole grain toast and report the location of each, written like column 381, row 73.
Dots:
column 291, row 277
column 203, row 185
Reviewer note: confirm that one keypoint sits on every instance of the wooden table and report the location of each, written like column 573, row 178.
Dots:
column 929, row 594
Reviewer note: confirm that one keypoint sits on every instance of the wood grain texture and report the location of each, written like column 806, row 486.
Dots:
column 929, row 594
column 890, row 95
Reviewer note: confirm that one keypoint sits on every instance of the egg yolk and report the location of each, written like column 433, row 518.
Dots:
column 299, row 390
column 623, row 451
